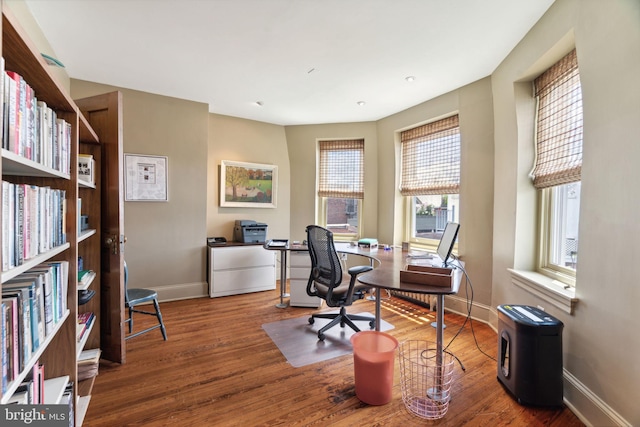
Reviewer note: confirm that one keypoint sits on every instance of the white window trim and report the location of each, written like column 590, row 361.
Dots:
column 547, row 289
column 322, row 220
column 566, row 276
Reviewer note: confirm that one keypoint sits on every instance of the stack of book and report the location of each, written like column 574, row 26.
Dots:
column 88, row 363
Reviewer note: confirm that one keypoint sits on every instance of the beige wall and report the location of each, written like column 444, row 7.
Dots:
column 599, row 341
column 473, row 103
column 165, row 240
column 242, row 140
column 600, row 344
column 302, row 146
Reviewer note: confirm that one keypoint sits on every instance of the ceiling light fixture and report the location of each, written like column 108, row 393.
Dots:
column 410, row 78
column 361, row 103
column 259, row 103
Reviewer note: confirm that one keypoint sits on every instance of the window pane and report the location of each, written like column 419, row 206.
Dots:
column 563, row 230
column 342, row 215
column 432, row 212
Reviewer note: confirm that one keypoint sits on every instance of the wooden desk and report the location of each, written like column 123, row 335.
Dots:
column 387, row 276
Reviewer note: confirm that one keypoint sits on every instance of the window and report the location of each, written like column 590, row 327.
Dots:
column 558, row 166
column 341, row 186
column 430, row 178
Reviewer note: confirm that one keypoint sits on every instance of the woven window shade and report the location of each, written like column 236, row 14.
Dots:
column 341, row 169
column 558, row 125
column 431, row 158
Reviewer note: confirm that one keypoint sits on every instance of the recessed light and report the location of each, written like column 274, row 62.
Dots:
column 259, row 103
column 410, row 78
column 361, row 103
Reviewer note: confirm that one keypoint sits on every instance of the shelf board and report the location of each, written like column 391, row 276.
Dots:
column 54, row 388
column 82, row 406
column 13, row 164
column 85, row 234
column 13, row 385
column 32, row 262
column 87, row 134
column 85, row 184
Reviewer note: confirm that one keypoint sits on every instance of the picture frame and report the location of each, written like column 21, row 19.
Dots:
column 146, row 178
column 248, row 185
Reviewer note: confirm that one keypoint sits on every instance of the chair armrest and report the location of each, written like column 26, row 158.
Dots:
column 354, row 271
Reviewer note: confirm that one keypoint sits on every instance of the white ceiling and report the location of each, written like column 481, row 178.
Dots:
column 306, row 61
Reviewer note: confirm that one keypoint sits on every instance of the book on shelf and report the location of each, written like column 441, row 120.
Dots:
column 4, row 355
column 31, row 390
column 24, row 328
column 38, row 304
column 12, row 338
column 30, row 290
column 67, row 399
column 84, row 322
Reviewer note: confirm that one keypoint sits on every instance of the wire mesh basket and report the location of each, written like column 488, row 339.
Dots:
column 425, row 384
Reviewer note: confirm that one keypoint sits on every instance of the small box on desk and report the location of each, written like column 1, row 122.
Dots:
column 427, row 275
column 368, row 244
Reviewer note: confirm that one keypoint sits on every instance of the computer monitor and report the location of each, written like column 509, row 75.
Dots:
column 447, row 241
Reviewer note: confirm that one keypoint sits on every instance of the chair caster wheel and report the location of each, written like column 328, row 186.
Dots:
column 372, row 324
column 311, row 320
column 321, row 337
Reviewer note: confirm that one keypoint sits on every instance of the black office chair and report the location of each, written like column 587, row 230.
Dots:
column 328, row 282
column 134, row 297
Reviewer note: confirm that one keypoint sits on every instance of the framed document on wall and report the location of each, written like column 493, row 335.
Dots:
column 146, row 178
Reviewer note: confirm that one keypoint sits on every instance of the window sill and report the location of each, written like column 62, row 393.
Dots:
column 545, row 288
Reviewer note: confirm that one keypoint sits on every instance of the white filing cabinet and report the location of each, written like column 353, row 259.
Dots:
column 299, row 270
column 241, row 269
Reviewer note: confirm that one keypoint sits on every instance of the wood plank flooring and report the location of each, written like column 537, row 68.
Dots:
column 219, row 368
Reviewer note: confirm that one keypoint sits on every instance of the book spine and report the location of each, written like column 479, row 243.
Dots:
column 6, row 226
column 19, row 230
column 4, row 357
column 14, row 342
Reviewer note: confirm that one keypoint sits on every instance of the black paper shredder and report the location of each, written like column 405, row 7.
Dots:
column 530, row 355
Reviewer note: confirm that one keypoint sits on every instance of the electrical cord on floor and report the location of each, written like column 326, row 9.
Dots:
column 469, row 292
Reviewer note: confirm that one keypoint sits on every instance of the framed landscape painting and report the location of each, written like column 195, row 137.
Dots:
column 249, row 185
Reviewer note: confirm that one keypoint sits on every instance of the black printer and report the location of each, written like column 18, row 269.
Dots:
column 249, row 231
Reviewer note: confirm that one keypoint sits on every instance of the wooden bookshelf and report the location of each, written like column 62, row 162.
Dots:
column 58, row 352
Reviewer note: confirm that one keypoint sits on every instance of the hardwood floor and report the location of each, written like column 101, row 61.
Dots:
column 219, row 368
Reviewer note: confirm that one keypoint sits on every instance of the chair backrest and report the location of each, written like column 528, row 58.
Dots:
column 325, row 264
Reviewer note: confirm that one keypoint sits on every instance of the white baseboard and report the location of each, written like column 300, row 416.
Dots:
column 587, row 406
column 181, row 291
column 458, row 305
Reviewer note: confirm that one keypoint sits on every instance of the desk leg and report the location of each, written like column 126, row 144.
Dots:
column 378, row 300
column 283, row 279
column 436, row 393
column 439, row 329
